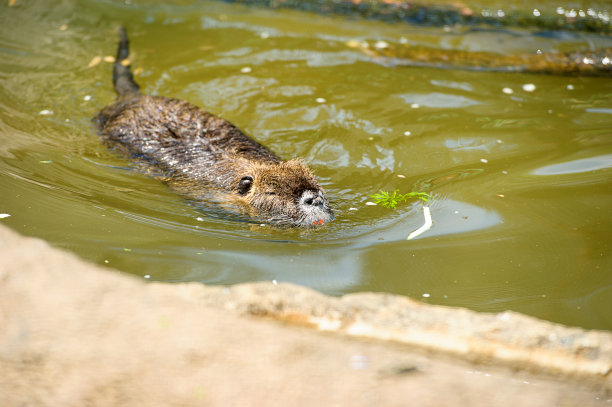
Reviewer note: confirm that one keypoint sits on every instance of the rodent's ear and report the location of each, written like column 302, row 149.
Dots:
column 245, row 184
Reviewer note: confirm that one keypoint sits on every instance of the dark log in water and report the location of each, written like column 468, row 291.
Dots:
column 596, row 63
column 439, row 15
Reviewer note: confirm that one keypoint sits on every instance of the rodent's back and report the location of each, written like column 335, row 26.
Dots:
column 180, row 139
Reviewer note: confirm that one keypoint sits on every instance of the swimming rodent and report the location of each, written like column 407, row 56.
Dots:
column 195, row 153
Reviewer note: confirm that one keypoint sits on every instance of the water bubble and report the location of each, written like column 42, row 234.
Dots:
column 529, row 87
column 381, row 44
column 507, row 91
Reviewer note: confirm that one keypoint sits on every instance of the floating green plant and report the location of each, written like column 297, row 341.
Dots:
column 391, row 200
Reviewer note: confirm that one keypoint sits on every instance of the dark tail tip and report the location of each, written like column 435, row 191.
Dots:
column 123, row 80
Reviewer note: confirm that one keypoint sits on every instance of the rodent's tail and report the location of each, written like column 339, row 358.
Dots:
column 123, row 80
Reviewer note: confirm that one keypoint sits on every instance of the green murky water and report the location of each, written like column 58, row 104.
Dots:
column 522, row 182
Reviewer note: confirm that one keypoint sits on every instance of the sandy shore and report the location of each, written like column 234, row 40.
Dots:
column 74, row 334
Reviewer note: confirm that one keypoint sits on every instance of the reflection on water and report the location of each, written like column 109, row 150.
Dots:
column 435, row 99
column 518, row 165
column 576, row 166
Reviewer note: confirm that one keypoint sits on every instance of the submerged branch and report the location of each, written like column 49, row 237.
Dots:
column 595, row 63
column 588, row 20
column 426, row 226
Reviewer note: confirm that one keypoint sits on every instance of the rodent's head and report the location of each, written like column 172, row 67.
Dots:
column 285, row 193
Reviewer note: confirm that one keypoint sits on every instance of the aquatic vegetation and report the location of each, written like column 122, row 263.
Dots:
column 391, row 200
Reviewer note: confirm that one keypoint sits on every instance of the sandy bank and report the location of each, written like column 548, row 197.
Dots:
column 74, row 334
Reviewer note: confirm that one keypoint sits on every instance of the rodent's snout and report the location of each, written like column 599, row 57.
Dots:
column 312, row 198
column 315, row 208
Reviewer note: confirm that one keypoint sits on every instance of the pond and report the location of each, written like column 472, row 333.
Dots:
column 519, row 165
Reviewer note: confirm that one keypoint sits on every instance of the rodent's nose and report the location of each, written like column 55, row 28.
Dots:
column 312, row 198
column 318, row 201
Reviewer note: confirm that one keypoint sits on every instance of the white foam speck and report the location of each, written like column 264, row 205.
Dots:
column 529, row 87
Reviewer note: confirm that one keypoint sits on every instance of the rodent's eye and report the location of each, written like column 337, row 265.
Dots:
column 270, row 193
column 245, row 184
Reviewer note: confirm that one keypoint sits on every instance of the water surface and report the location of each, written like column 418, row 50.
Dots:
column 521, row 180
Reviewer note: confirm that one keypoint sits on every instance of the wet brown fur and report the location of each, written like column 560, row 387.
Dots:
column 196, row 152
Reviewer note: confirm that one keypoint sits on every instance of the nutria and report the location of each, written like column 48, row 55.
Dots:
column 196, row 152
